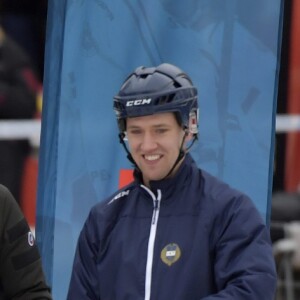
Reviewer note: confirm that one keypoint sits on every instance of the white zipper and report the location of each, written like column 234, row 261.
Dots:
column 156, row 206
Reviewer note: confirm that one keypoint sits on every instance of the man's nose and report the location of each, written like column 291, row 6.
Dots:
column 148, row 143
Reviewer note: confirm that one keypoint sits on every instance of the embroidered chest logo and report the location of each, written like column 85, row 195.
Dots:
column 30, row 238
column 170, row 254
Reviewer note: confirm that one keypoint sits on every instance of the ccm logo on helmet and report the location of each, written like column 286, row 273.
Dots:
column 138, row 102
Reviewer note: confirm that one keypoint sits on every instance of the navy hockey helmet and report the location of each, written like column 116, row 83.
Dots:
column 153, row 90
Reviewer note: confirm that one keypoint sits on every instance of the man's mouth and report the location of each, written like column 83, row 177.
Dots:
column 152, row 157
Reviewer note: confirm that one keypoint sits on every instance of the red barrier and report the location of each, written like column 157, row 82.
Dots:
column 125, row 177
column 292, row 159
column 28, row 190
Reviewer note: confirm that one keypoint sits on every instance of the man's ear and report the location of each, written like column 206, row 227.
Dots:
column 188, row 136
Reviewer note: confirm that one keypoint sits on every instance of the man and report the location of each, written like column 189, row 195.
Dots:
column 21, row 274
column 176, row 232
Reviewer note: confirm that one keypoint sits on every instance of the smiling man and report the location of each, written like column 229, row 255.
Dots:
column 176, row 232
column 154, row 142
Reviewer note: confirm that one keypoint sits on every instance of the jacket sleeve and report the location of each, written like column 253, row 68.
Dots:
column 83, row 283
column 244, row 264
column 21, row 273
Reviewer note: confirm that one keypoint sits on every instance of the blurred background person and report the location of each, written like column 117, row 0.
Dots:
column 25, row 22
column 19, row 89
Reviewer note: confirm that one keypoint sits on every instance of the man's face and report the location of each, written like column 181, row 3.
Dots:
column 154, row 143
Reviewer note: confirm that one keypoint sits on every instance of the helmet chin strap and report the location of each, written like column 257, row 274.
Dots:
column 181, row 154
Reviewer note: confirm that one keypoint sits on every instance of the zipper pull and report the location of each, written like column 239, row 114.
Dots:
column 155, row 208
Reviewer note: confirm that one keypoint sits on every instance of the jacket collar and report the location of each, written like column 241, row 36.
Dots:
column 170, row 184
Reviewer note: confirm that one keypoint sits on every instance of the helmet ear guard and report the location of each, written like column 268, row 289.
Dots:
column 193, row 122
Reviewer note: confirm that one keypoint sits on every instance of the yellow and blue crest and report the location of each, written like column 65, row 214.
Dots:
column 170, row 254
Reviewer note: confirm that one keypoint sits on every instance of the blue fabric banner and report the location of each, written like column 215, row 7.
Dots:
column 229, row 48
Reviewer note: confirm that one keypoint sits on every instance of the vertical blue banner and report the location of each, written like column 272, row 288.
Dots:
column 229, row 48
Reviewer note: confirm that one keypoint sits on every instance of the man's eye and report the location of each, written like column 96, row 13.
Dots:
column 161, row 130
column 135, row 131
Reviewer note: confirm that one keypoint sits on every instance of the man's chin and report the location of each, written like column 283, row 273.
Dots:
column 156, row 177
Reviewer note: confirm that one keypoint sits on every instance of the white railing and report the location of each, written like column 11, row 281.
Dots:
column 21, row 129
column 287, row 123
column 30, row 129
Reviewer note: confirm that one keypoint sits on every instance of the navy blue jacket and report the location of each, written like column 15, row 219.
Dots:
column 190, row 237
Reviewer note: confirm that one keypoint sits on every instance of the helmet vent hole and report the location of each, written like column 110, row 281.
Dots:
column 166, row 99
column 143, row 76
column 177, row 85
